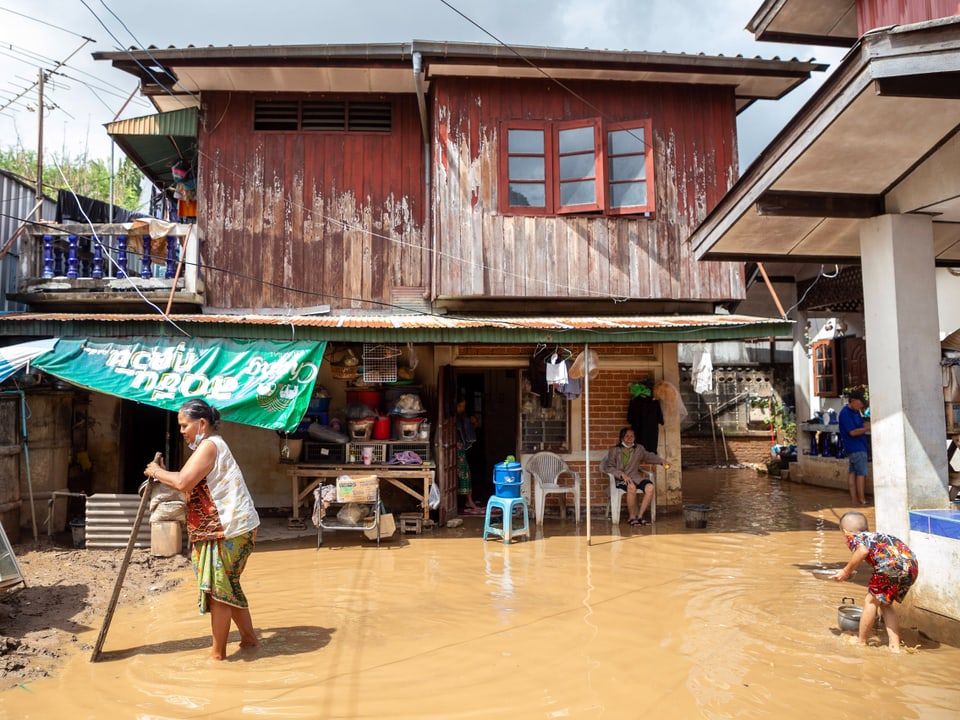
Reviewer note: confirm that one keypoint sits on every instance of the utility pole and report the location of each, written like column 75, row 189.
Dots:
column 39, row 197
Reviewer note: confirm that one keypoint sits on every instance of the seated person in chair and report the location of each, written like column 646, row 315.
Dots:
column 623, row 462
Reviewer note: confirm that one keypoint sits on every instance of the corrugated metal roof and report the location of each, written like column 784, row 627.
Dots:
column 176, row 122
column 155, row 142
column 421, row 328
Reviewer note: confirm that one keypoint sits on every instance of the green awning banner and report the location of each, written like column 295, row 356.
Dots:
column 265, row 383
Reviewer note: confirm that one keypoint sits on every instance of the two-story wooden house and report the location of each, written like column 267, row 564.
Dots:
column 486, row 205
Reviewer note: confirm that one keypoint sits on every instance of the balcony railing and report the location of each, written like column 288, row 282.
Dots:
column 74, row 263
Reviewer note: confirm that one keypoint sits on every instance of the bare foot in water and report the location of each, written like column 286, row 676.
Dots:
column 852, row 639
column 247, row 642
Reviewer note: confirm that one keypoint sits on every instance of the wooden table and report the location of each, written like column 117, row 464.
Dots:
column 398, row 475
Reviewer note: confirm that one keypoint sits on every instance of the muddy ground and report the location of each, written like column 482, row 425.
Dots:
column 66, row 593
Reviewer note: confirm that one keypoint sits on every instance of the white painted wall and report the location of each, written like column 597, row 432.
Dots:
column 948, row 301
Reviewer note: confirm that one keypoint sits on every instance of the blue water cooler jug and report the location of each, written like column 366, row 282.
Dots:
column 507, row 478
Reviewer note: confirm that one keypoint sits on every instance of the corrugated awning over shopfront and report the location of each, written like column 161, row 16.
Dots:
column 255, row 382
column 416, row 328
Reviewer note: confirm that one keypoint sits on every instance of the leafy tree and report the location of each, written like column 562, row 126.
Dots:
column 86, row 177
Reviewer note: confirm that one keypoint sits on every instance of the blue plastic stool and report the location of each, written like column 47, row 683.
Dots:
column 506, row 529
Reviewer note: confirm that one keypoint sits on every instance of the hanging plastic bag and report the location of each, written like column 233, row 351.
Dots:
column 434, row 496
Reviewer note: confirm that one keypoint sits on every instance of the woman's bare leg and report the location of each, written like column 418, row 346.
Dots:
column 220, row 616
column 243, row 621
column 631, row 501
column 647, row 499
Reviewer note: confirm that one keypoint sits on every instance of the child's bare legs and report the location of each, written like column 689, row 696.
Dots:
column 893, row 627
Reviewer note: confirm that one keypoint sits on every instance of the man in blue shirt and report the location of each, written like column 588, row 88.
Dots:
column 853, row 430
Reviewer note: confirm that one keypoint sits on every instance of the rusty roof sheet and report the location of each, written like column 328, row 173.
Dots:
column 409, row 328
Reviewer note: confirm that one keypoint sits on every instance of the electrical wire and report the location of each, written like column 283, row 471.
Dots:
column 48, row 24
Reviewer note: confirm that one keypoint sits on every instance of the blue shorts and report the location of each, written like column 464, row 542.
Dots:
column 857, row 463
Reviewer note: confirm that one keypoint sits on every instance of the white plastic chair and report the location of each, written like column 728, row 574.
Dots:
column 616, row 496
column 547, row 469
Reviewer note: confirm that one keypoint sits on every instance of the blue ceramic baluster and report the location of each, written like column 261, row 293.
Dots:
column 72, row 258
column 145, row 271
column 171, row 257
column 97, row 270
column 121, row 256
column 47, row 256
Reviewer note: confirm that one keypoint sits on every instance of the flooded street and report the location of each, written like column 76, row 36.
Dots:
column 666, row 622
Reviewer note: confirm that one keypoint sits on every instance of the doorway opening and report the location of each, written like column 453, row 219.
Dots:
column 491, row 396
column 144, row 431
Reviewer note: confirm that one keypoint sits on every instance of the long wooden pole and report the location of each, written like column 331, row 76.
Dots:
column 176, row 275
column 112, row 605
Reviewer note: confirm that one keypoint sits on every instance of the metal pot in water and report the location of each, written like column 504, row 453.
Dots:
column 848, row 616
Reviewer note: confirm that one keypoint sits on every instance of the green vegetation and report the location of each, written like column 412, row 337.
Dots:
column 86, row 177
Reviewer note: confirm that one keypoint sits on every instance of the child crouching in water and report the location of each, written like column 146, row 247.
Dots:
column 894, row 572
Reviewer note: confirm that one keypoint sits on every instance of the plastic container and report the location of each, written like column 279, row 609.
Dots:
column 381, row 428
column 507, row 479
column 371, row 398
column 318, row 405
column 78, row 530
column 695, row 516
column 166, row 538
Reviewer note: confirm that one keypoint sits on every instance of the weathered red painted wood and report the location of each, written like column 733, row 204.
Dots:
column 589, row 255
column 873, row 14
column 321, row 217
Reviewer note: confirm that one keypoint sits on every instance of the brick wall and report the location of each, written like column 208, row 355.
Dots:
column 700, row 450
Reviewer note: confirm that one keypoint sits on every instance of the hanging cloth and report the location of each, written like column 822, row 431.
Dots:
column 703, row 374
column 645, row 416
column 556, row 370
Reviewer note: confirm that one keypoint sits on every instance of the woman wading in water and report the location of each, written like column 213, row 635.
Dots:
column 221, row 522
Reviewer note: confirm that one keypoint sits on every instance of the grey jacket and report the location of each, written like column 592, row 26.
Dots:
column 613, row 461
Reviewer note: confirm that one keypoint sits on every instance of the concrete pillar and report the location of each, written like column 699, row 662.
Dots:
column 801, row 373
column 903, row 361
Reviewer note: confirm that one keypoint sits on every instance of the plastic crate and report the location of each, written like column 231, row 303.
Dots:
column 420, row 448
column 320, row 453
column 355, row 454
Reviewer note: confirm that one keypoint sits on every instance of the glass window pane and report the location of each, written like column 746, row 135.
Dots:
column 621, row 142
column 526, row 168
column 525, row 141
column 576, row 166
column 628, row 167
column 576, row 140
column 582, row 192
column 528, row 195
column 628, row 195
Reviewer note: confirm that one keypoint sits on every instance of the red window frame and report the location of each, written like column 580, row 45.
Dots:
column 504, row 171
column 647, row 153
column 552, row 161
column 599, row 186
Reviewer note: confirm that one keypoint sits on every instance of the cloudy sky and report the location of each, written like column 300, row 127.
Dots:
column 85, row 94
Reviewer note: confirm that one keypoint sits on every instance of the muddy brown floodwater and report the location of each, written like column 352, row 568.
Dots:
column 669, row 622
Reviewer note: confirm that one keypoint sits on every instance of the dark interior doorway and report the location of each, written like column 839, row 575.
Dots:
column 491, row 396
column 145, row 430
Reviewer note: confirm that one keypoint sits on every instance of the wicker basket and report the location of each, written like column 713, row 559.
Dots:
column 344, row 372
